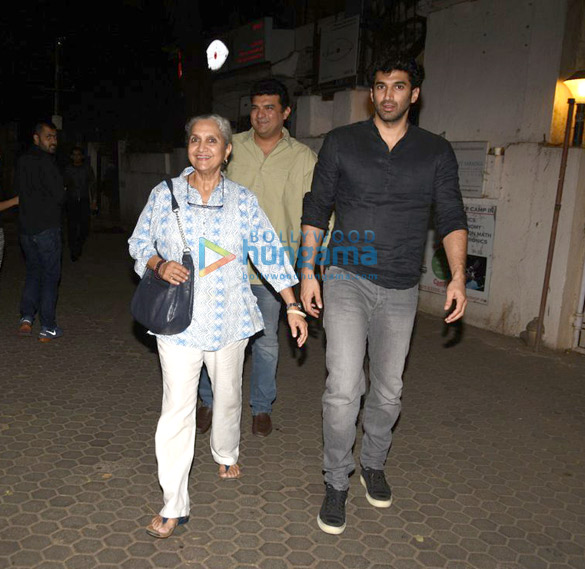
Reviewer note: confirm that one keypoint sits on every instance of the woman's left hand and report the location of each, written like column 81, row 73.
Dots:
column 298, row 327
column 173, row 272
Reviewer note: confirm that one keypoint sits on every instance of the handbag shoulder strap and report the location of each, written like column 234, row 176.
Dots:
column 175, row 207
column 169, row 183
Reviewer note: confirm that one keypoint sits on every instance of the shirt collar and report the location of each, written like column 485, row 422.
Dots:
column 372, row 126
column 285, row 136
column 216, row 198
column 40, row 152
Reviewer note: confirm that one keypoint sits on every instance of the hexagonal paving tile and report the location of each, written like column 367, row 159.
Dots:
column 495, row 483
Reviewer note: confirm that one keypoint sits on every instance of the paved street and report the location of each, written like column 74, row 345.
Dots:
column 487, row 466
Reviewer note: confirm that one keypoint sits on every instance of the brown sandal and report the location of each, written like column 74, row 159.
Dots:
column 224, row 471
column 155, row 533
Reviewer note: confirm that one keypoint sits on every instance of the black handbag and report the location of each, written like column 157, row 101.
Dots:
column 161, row 307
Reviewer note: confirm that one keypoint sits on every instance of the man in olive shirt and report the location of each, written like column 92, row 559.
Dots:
column 279, row 170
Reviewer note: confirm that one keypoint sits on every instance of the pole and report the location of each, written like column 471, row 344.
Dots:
column 579, row 124
column 555, row 224
column 57, row 76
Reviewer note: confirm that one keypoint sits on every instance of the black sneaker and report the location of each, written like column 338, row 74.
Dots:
column 47, row 334
column 378, row 492
column 331, row 517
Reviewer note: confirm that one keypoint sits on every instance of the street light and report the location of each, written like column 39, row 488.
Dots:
column 575, row 84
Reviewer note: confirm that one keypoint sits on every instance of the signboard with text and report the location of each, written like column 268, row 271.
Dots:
column 481, row 219
column 247, row 44
column 471, row 158
column 250, row 44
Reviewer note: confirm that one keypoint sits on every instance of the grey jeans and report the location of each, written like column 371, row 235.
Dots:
column 359, row 312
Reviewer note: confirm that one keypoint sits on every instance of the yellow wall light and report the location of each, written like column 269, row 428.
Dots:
column 576, row 84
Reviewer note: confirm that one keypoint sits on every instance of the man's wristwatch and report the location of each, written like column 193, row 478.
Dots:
column 294, row 305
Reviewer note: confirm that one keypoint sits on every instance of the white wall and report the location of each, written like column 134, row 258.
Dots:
column 316, row 117
column 492, row 67
column 139, row 173
column 525, row 205
column 279, row 44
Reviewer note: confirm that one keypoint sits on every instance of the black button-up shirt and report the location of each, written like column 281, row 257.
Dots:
column 383, row 199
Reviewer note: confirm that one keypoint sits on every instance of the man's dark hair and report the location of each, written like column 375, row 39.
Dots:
column 39, row 126
column 79, row 149
column 271, row 87
column 416, row 73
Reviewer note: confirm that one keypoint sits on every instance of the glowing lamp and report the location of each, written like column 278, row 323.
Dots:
column 576, row 84
column 217, row 53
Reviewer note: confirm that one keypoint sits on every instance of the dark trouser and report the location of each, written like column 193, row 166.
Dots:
column 78, row 215
column 42, row 254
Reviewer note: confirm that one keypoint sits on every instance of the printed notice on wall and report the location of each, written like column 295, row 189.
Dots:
column 339, row 49
column 481, row 218
column 471, row 159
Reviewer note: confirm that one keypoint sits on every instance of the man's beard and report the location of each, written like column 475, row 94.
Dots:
column 394, row 117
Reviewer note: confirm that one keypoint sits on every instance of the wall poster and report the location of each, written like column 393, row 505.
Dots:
column 481, row 218
column 339, row 49
column 471, row 158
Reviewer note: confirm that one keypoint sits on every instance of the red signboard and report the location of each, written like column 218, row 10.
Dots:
column 249, row 43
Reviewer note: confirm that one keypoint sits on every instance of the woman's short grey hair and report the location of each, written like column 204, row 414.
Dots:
column 223, row 124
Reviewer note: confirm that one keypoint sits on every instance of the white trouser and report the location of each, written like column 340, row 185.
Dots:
column 175, row 433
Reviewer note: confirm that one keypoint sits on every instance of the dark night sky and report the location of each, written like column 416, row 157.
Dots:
column 112, row 58
column 118, row 59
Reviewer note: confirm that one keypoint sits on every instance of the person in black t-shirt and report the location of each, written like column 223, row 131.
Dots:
column 80, row 200
column 39, row 185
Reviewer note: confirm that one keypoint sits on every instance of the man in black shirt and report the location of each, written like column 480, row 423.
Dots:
column 382, row 177
column 80, row 184
column 39, row 185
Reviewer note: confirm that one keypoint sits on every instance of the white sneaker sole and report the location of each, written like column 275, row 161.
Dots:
column 373, row 501
column 332, row 530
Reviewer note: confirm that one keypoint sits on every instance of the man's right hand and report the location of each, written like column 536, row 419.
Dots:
column 311, row 294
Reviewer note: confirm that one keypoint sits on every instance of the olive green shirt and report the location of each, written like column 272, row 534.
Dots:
column 279, row 181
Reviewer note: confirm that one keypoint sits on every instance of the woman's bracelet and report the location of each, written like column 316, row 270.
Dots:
column 157, row 268
column 291, row 311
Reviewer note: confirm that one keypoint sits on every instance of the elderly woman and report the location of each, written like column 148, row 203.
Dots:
column 217, row 214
